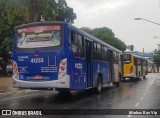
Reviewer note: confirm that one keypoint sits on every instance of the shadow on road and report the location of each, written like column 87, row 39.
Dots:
column 74, row 97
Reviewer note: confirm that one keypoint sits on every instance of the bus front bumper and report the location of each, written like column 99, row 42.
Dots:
column 129, row 75
column 61, row 83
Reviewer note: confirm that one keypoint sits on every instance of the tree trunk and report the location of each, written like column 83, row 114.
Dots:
column 3, row 66
column 4, row 70
column 33, row 10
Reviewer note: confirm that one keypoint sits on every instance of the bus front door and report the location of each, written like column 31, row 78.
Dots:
column 88, row 50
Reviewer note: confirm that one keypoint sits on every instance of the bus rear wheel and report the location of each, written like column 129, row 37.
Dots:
column 117, row 84
column 63, row 91
column 144, row 77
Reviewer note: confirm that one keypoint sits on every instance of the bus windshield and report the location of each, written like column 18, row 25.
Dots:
column 38, row 36
column 127, row 58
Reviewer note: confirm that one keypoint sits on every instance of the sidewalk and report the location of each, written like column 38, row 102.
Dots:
column 6, row 87
column 5, row 84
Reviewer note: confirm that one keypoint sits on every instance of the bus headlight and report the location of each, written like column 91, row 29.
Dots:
column 62, row 68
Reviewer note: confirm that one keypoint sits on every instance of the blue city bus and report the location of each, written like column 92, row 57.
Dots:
column 57, row 55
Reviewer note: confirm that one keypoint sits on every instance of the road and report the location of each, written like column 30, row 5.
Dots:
column 142, row 94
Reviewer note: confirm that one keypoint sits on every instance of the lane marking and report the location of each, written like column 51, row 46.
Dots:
column 152, row 82
column 129, row 116
column 144, row 93
column 19, row 97
column 141, row 98
column 137, row 104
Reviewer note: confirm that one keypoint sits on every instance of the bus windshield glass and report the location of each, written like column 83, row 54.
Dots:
column 127, row 58
column 38, row 36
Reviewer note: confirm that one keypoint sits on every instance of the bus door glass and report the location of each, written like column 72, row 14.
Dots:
column 127, row 58
column 88, row 50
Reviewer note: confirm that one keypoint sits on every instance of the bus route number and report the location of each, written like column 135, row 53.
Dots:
column 37, row 60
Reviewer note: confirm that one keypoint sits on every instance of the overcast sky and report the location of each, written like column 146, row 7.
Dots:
column 119, row 16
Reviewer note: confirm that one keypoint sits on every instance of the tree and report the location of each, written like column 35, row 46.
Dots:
column 156, row 56
column 5, row 37
column 18, row 12
column 32, row 10
column 87, row 29
column 107, row 36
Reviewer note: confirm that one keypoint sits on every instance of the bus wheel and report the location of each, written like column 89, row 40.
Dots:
column 117, row 84
column 99, row 85
column 144, row 77
column 63, row 91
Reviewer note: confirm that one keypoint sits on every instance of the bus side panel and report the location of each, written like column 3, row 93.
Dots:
column 78, row 74
column 100, row 68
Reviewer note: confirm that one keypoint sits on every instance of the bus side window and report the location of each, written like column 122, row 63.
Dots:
column 80, row 45
column 138, row 61
column 144, row 62
column 73, row 38
column 118, row 58
column 135, row 60
column 99, row 52
column 104, row 54
column 95, row 51
column 77, row 42
column 114, row 57
column 73, row 44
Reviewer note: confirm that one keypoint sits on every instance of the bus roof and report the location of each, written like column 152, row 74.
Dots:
column 74, row 28
column 40, row 23
column 136, row 56
column 94, row 38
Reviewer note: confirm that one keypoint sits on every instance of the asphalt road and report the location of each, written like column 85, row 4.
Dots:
column 142, row 94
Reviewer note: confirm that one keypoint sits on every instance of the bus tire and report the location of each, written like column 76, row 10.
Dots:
column 117, row 84
column 99, row 85
column 63, row 91
column 144, row 77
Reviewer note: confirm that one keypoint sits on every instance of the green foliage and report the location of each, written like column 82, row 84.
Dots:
column 31, row 10
column 156, row 57
column 87, row 29
column 107, row 36
column 17, row 12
